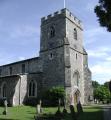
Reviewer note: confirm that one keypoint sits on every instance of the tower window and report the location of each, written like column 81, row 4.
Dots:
column 32, row 89
column 76, row 78
column 51, row 56
column 23, row 68
column 76, row 56
column 52, row 31
column 75, row 34
column 10, row 70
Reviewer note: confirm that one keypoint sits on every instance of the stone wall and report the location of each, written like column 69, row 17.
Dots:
column 25, row 98
column 87, row 80
column 31, row 65
column 12, row 91
column 52, row 50
column 23, row 88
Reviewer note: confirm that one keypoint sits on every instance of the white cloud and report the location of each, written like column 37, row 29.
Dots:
column 90, row 6
column 23, row 31
column 101, row 71
column 102, row 79
column 21, row 58
column 91, row 34
column 100, row 52
column 108, row 59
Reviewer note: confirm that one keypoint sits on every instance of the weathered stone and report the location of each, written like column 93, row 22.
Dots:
column 62, row 62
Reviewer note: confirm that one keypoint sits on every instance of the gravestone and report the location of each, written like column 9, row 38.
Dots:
column 58, row 113
column 73, row 114
column 64, row 109
column 59, row 104
column 79, row 108
column 5, row 107
column 39, row 107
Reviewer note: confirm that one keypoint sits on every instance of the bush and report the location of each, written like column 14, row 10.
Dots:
column 51, row 96
column 2, row 102
column 31, row 101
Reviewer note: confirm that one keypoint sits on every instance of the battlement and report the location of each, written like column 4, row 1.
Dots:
column 65, row 13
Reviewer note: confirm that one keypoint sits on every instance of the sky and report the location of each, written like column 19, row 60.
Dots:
column 20, row 32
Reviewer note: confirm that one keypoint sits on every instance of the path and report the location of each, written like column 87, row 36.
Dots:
column 107, row 112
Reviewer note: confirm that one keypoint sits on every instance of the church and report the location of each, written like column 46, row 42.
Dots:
column 62, row 61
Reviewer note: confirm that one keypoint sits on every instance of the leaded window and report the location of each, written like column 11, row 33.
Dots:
column 52, row 31
column 32, row 89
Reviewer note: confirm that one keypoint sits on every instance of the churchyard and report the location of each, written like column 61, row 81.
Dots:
column 28, row 113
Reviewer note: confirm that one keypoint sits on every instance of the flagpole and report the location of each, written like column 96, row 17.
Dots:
column 64, row 3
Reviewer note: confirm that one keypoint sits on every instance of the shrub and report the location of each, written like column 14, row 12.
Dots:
column 31, row 101
column 51, row 96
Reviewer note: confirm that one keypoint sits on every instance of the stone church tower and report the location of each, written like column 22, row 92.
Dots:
column 63, row 61
column 63, row 55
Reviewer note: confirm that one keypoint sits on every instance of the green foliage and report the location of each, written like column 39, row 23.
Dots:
column 28, row 113
column 102, row 93
column 31, row 101
column 106, row 84
column 95, row 84
column 52, row 95
column 103, row 12
column 110, row 86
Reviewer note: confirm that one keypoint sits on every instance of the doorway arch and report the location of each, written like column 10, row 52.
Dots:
column 76, row 95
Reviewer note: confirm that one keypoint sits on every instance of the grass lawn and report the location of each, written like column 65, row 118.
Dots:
column 27, row 113
column 92, row 113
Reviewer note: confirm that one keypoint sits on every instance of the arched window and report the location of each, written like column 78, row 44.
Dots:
column 76, row 78
column 32, row 89
column 75, row 34
column 4, row 90
column 52, row 31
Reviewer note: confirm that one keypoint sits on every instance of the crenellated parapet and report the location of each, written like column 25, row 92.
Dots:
column 62, row 13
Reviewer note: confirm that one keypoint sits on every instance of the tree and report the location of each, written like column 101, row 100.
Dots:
column 51, row 96
column 110, row 86
column 95, row 84
column 102, row 93
column 106, row 84
column 103, row 12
